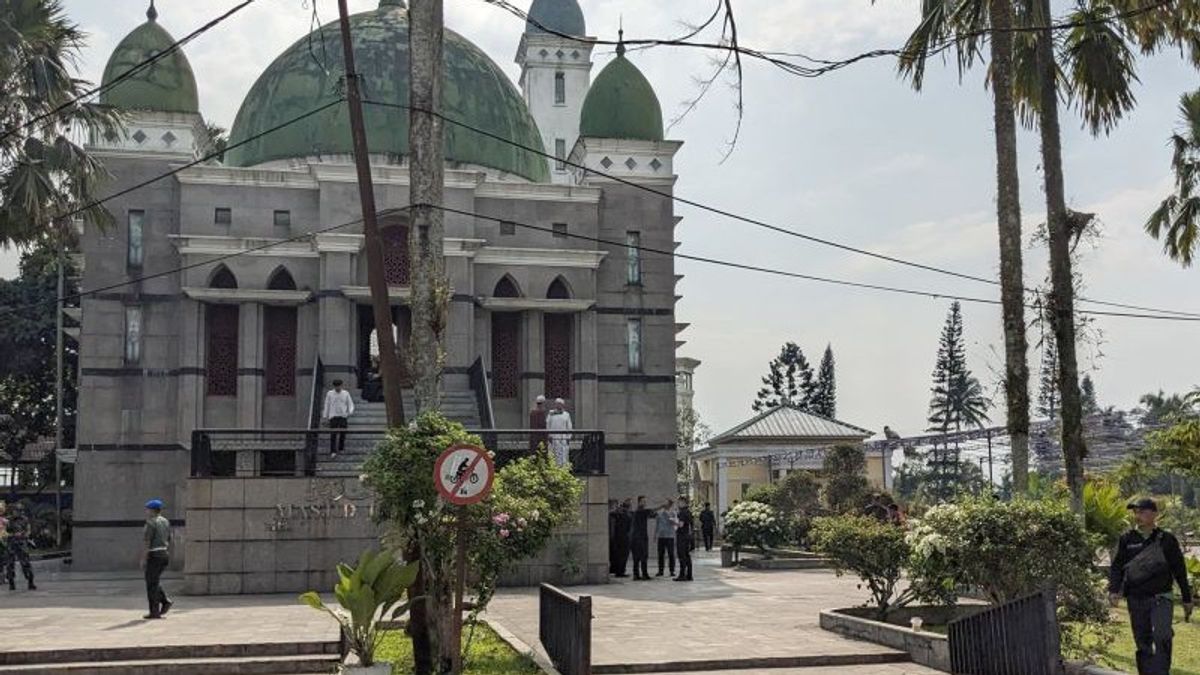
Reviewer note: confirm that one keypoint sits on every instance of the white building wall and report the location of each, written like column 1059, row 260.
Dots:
column 543, row 58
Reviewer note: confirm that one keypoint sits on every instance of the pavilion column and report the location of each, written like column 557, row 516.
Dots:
column 585, row 371
column 721, row 475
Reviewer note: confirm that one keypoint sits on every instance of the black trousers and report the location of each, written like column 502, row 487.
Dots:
column 620, row 558
column 14, row 553
column 156, row 562
column 1150, row 618
column 666, row 546
column 337, row 440
column 708, row 538
column 641, row 556
column 683, row 546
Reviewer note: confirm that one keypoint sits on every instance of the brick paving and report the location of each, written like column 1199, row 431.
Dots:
column 723, row 614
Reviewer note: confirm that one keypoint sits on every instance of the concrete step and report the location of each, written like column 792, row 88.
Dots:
column 169, row 652
column 250, row 665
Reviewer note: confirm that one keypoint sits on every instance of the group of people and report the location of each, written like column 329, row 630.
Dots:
column 555, row 419
column 674, row 532
column 15, row 541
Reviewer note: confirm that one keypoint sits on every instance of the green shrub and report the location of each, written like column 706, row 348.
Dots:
column 1105, row 515
column 846, row 484
column 763, row 494
column 876, row 552
column 755, row 524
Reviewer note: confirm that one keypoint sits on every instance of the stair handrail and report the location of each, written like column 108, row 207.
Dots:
column 483, row 393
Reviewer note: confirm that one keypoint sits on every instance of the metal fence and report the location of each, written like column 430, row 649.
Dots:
column 227, row 453
column 1015, row 638
column 565, row 630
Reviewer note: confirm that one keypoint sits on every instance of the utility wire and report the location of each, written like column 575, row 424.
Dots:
column 183, row 268
column 769, row 270
column 139, row 67
column 753, row 221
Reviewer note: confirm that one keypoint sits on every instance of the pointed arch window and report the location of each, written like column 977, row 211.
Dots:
column 558, row 290
column 222, row 278
column 557, row 331
column 560, row 88
column 506, row 288
column 281, row 280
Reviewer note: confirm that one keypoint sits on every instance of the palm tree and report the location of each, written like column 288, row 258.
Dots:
column 44, row 173
column 1176, row 221
column 964, row 22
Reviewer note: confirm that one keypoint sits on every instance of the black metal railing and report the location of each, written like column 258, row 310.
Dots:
column 227, row 453
column 483, row 393
column 1015, row 638
column 565, row 630
column 316, row 400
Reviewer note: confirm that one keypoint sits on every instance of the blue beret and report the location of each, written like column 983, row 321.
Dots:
column 155, row 504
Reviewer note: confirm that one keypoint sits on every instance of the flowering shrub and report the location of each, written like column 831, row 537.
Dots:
column 755, row 524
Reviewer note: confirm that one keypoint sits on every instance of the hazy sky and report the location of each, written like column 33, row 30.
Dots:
column 855, row 156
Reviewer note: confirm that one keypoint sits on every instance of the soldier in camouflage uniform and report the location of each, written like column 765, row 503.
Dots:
column 17, row 548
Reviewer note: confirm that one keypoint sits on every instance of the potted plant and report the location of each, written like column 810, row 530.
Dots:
column 367, row 592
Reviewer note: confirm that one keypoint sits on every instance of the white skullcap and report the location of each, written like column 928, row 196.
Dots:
column 541, row 399
column 559, row 401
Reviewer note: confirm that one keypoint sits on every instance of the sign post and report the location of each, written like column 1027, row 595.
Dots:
column 463, row 475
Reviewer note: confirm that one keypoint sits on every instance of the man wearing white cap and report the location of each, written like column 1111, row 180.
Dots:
column 560, row 420
column 537, row 421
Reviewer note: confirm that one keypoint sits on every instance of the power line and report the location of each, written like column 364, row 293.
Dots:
column 778, row 272
column 184, row 268
column 139, row 67
column 756, row 222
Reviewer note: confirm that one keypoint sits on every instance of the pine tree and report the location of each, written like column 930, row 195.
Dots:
column 1088, row 390
column 958, row 398
column 1048, row 405
column 825, row 395
column 789, row 381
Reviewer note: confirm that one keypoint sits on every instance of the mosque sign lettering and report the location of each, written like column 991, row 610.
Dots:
column 325, row 501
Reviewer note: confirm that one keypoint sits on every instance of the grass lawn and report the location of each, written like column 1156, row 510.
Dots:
column 1185, row 649
column 489, row 654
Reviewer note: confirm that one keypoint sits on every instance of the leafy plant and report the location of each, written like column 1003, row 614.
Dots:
column 1193, row 570
column 1104, row 512
column 373, row 588
column 846, row 486
column 754, row 524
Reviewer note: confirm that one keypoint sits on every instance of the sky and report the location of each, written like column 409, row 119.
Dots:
column 855, row 156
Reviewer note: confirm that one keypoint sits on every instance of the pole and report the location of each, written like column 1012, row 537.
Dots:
column 389, row 361
column 460, row 566
column 59, row 436
column 991, row 466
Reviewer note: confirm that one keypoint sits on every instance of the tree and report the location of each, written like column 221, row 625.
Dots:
column 965, row 20
column 1088, row 390
column 44, row 173
column 1159, row 408
column 824, row 401
column 789, row 381
column 1176, row 221
column 957, row 399
column 216, row 140
column 845, row 468
column 1048, row 401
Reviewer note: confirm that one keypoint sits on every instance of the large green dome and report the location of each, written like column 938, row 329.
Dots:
column 166, row 85
column 307, row 75
column 621, row 104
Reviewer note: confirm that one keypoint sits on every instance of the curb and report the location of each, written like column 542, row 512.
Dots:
column 520, row 647
column 762, row 663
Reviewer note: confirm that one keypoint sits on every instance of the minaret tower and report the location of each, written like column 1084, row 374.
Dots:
column 556, row 70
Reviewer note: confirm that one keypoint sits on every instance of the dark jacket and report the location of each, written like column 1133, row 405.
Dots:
column 708, row 520
column 687, row 523
column 1129, row 546
column 641, row 521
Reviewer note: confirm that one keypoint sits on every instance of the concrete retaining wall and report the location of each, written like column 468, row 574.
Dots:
column 927, row 649
column 286, row 535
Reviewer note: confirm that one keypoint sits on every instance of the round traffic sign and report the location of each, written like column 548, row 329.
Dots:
column 463, row 474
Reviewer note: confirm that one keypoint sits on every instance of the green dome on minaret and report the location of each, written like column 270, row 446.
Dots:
column 307, row 75
column 559, row 16
column 167, row 85
column 621, row 104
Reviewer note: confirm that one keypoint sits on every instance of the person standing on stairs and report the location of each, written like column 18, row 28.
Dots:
column 560, row 443
column 339, row 406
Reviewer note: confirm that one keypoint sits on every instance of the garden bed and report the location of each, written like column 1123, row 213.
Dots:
column 928, row 647
column 489, row 654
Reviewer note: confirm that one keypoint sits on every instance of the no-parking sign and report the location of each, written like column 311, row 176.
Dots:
column 463, row 474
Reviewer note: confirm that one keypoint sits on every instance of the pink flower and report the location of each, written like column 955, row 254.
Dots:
column 504, row 534
column 500, row 518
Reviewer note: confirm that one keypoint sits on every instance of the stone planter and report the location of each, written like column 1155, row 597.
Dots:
column 926, row 648
column 377, row 669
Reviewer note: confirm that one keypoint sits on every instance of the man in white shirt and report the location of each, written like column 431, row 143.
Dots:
column 338, row 407
column 560, row 420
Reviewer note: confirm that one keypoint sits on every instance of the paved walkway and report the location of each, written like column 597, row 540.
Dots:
column 83, row 611
column 724, row 613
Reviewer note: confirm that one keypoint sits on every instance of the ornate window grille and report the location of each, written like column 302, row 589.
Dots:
column 395, row 255
column 280, row 339
column 221, row 353
column 506, row 346
column 557, row 343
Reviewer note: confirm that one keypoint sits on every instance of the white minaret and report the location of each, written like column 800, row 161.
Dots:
column 555, row 74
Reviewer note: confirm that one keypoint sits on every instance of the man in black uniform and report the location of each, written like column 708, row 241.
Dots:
column 1147, row 561
column 612, row 536
column 640, row 539
column 18, row 548
column 623, row 525
column 683, row 540
column 708, row 525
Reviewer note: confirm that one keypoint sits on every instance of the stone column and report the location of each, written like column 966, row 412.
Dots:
column 251, row 365
column 191, row 367
column 460, row 327
column 533, row 361
column 587, row 362
column 337, row 316
column 719, row 477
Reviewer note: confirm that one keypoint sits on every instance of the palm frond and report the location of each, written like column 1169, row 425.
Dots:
column 1100, row 65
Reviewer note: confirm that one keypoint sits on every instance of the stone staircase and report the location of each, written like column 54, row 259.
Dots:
column 275, row 658
column 458, row 405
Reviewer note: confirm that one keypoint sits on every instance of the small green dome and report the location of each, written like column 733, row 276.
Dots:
column 167, row 85
column 560, row 16
column 621, row 104
column 307, row 75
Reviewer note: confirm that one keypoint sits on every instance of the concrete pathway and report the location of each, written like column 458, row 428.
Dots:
column 723, row 614
column 84, row 611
